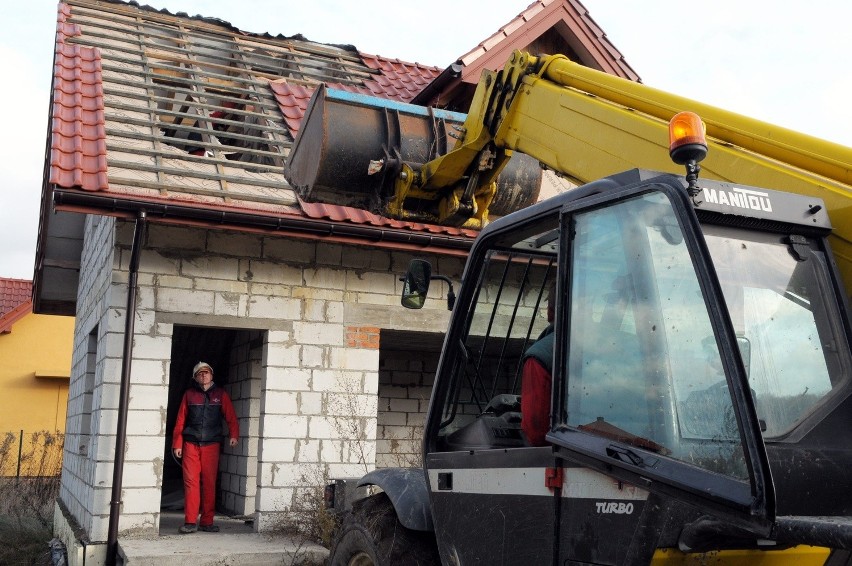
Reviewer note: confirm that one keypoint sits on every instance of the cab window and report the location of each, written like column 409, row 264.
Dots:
column 643, row 365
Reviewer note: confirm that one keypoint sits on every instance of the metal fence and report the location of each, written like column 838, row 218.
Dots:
column 31, row 454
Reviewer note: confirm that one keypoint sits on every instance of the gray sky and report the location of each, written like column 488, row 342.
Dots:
column 780, row 61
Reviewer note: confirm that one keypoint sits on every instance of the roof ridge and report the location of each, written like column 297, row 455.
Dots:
column 607, row 54
column 525, row 15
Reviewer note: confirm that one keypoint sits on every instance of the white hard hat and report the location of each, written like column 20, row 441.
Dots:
column 200, row 366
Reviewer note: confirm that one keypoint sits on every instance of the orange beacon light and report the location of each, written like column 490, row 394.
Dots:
column 687, row 141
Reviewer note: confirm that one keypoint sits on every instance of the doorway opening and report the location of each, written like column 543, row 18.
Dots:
column 236, row 357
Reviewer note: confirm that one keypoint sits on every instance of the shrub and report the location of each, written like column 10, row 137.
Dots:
column 307, row 519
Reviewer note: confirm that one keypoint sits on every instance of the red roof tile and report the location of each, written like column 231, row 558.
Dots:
column 513, row 26
column 14, row 293
column 399, row 80
column 338, row 213
column 293, row 99
column 78, row 136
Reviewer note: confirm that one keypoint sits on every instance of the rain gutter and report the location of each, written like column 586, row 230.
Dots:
column 295, row 226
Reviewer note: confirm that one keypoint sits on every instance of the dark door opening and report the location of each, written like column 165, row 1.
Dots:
column 189, row 346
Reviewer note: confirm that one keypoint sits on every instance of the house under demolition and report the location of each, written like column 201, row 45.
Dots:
column 169, row 230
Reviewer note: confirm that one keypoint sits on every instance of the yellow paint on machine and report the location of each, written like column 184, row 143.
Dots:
column 802, row 555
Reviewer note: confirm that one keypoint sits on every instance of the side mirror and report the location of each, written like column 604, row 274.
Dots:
column 416, row 284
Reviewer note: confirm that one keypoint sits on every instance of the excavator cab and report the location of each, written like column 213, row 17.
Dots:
column 701, row 356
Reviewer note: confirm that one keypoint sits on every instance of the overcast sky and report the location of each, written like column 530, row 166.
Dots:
column 781, row 61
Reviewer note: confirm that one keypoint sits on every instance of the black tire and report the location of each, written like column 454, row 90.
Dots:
column 371, row 535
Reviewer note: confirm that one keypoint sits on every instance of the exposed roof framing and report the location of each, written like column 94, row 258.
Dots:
column 188, row 105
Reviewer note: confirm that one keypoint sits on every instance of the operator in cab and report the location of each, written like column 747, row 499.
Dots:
column 536, row 380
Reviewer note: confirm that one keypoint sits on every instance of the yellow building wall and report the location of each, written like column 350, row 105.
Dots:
column 35, row 364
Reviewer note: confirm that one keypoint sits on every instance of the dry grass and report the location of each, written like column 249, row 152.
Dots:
column 26, row 502
column 307, row 519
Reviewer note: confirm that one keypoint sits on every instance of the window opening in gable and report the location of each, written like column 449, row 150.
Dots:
column 222, row 124
column 242, row 131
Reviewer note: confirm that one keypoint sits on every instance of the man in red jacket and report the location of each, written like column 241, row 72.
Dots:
column 197, row 440
column 536, row 380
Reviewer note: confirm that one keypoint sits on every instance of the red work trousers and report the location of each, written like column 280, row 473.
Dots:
column 200, row 465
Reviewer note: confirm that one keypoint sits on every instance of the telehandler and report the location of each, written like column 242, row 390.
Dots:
column 701, row 367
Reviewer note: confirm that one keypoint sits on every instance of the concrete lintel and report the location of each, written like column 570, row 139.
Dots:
column 396, row 318
column 224, row 321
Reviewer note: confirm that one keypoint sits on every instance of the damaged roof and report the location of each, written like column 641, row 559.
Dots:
column 192, row 120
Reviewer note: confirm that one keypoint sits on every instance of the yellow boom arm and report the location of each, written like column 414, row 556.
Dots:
column 585, row 124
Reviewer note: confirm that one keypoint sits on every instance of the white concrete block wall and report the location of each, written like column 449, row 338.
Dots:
column 405, row 385
column 146, row 408
column 308, row 400
column 82, row 450
column 238, row 467
column 316, row 392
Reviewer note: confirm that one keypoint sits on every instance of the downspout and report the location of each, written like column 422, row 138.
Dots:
column 124, row 396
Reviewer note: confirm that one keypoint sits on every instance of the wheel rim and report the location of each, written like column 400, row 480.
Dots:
column 361, row 559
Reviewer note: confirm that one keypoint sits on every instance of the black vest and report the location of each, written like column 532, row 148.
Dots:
column 203, row 423
column 542, row 349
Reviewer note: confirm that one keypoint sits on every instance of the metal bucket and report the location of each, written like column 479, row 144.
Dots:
column 350, row 147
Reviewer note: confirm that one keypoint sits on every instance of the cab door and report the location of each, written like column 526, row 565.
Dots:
column 494, row 498
column 649, row 385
